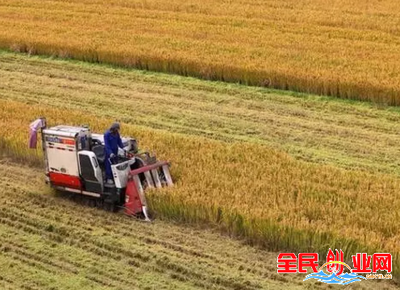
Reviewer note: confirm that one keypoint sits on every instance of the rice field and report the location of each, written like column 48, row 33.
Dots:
column 347, row 49
column 346, row 134
column 54, row 242
column 240, row 185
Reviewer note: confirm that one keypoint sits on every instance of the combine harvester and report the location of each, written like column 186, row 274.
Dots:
column 74, row 161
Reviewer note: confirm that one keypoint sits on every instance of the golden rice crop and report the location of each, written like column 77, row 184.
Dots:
column 249, row 189
column 342, row 48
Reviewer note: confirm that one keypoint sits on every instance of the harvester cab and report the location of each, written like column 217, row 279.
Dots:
column 74, row 161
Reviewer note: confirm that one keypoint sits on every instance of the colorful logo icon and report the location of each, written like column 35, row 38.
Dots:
column 335, row 277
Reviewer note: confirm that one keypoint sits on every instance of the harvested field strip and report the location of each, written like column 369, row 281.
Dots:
column 56, row 242
column 352, row 135
column 115, row 250
column 343, row 49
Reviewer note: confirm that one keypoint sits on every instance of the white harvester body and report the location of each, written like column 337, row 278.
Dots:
column 75, row 162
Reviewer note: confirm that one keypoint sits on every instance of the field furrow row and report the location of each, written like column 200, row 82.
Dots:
column 160, row 259
column 313, row 129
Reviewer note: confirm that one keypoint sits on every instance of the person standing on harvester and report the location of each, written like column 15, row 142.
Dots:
column 112, row 141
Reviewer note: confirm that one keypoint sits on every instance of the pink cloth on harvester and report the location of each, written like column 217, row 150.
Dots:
column 33, row 128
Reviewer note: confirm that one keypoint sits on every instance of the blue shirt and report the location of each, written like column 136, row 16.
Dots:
column 112, row 142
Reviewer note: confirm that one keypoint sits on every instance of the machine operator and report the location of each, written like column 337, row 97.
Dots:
column 112, row 140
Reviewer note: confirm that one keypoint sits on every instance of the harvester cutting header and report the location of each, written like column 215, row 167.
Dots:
column 106, row 167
